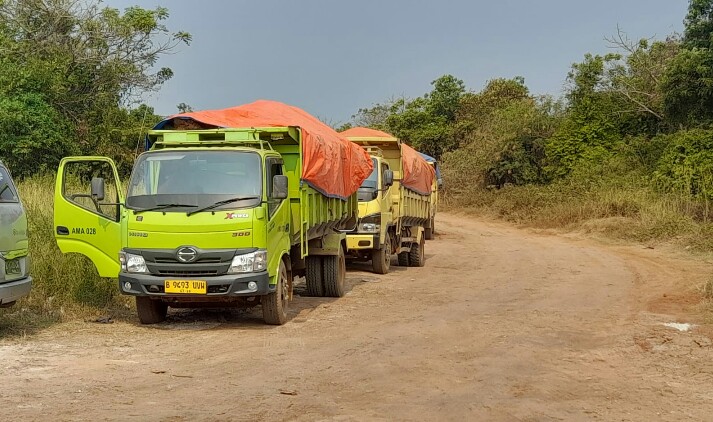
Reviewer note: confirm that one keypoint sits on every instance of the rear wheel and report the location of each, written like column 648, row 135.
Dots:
column 416, row 257
column 150, row 311
column 313, row 278
column 381, row 258
column 430, row 230
column 335, row 274
column 274, row 305
column 403, row 259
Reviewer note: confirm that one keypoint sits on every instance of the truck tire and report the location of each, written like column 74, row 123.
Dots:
column 403, row 259
column 313, row 278
column 429, row 231
column 335, row 274
column 416, row 256
column 150, row 311
column 381, row 258
column 274, row 305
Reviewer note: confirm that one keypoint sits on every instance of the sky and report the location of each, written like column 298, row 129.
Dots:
column 333, row 57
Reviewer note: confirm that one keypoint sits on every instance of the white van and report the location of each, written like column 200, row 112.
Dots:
column 15, row 281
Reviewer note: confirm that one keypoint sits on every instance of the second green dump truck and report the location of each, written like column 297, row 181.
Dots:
column 395, row 203
column 224, row 209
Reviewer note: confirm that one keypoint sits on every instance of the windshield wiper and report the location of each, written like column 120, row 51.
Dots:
column 163, row 206
column 219, row 203
column 4, row 188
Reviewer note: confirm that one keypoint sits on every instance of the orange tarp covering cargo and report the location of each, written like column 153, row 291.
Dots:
column 331, row 164
column 417, row 176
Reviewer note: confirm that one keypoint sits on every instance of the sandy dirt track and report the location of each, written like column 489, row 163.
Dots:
column 501, row 324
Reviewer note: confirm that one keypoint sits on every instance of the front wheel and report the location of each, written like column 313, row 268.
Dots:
column 150, row 311
column 381, row 258
column 274, row 305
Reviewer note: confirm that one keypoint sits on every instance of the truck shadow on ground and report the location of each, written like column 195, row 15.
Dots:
column 250, row 319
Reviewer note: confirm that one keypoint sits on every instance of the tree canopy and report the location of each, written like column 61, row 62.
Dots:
column 72, row 74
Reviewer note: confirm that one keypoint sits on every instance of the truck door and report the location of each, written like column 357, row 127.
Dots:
column 278, row 210
column 88, row 223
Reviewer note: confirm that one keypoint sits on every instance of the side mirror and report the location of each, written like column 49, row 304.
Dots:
column 388, row 177
column 98, row 188
column 279, row 186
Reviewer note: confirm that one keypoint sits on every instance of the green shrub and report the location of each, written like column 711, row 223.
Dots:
column 686, row 165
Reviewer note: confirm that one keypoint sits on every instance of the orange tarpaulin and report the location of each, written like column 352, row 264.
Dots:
column 417, row 174
column 365, row 132
column 331, row 164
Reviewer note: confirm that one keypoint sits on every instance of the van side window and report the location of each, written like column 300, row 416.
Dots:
column 76, row 188
column 7, row 190
column 274, row 167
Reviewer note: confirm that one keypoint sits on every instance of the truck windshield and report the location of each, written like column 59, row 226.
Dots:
column 7, row 190
column 183, row 180
column 369, row 188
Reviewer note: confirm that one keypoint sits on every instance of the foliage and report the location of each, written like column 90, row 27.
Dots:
column 686, row 165
column 688, row 82
column 78, row 68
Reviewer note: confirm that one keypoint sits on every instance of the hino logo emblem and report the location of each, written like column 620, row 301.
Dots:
column 187, row 254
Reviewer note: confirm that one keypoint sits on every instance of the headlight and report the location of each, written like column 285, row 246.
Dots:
column 132, row 263
column 249, row 262
column 370, row 224
column 369, row 228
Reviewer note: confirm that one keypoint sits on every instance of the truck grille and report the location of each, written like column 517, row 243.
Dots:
column 188, row 273
column 209, row 262
column 170, row 260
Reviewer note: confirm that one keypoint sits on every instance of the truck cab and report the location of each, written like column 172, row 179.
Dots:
column 201, row 222
column 15, row 280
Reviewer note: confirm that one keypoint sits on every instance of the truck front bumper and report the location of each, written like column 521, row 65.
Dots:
column 14, row 290
column 218, row 286
column 357, row 242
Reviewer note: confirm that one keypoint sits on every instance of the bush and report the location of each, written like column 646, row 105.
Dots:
column 686, row 165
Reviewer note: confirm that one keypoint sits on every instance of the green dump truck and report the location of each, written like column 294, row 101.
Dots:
column 392, row 215
column 211, row 217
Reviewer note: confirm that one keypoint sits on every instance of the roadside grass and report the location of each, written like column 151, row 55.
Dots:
column 625, row 211
column 64, row 286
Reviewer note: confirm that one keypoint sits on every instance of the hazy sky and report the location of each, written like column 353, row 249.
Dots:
column 332, row 57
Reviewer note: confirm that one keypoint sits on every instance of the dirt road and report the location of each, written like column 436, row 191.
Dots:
column 501, row 324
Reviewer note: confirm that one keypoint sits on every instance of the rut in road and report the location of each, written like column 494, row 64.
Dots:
column 501, row 324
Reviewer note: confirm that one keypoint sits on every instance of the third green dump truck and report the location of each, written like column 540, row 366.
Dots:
column 395, row 205
column 224, row 208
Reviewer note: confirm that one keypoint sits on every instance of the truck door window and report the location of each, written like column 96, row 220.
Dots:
column 76, row 188
column 274, row 167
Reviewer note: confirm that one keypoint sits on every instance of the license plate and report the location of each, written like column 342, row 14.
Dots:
column 12, row 266
column 185, row 287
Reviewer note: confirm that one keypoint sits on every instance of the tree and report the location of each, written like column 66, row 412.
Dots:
column 688, row 82
column 84, row 61
column 637, row 73
column 184, row 108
